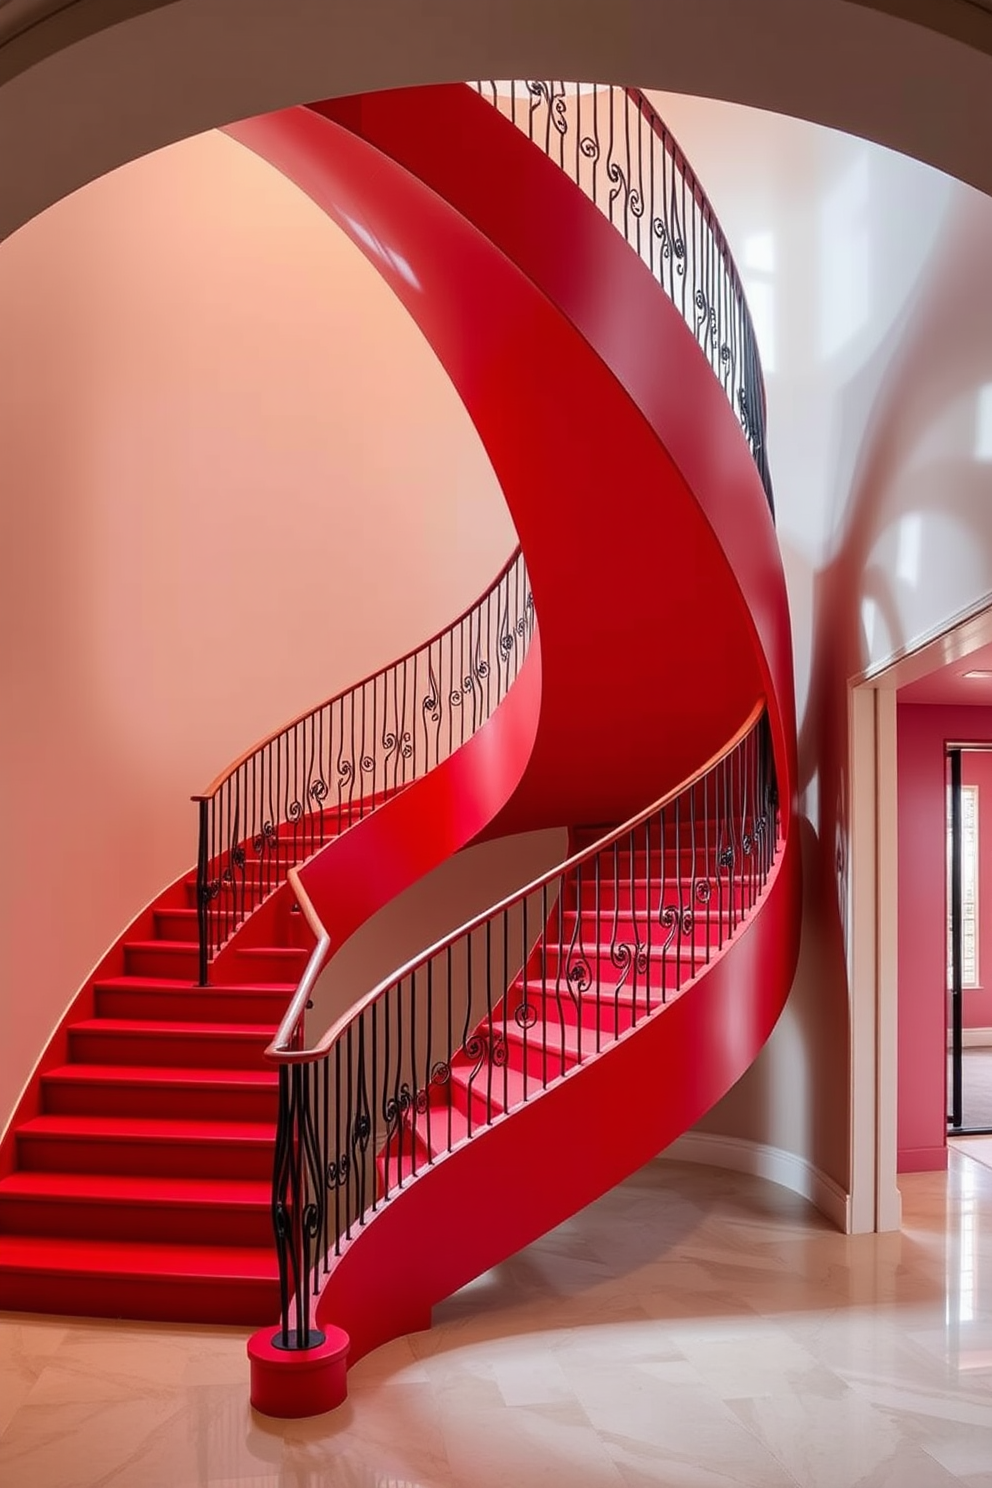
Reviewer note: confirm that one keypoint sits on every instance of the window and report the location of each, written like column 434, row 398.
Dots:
column 969, row 887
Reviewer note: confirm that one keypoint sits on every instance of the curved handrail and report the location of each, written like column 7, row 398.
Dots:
column 613, row 144
column 622, row 926
column 306, row 782
column 286, row 1045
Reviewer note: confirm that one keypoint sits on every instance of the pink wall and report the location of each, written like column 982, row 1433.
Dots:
column 212, row 411
column 922, row 733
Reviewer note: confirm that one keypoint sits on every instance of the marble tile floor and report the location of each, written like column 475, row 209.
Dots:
column 694, row 1329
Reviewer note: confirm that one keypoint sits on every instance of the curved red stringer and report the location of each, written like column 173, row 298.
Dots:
column 662, row 615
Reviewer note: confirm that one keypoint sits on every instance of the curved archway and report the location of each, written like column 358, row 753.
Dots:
column 90, row 84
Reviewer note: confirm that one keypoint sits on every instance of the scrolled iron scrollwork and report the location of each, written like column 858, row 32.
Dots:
column 546, row 93
column 337, row 1170
column 578, row 975
column 397, row 1105
column 670, row 247
column 431, row 704
column 264, row 841
column 677, row 919
column 348, row 748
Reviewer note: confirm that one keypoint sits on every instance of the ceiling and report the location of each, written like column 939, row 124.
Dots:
column 950, row 686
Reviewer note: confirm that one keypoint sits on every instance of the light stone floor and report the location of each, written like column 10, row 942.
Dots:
column 694, row 1328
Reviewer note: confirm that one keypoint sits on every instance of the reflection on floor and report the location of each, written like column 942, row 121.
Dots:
column 693, row 1328
column 976, row 1086
column 980, row 1148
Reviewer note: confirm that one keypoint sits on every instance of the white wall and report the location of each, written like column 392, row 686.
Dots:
column 868, row 277
column 235, row 479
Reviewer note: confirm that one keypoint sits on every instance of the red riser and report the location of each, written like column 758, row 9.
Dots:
column 157, row 958
column 57, row 1144
column 625, row 892
column 405, row 1155
column 176, row 924
column 177, row 1094
column 277, row 964
column 612, row 1015
column 205, row 1046
column 217, row 1285
column 181, row 1003
column 619, row 925
column 97, row 1207
column 684, row 957
column 539, row 1050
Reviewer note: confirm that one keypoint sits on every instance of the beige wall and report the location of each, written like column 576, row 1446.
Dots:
column 211, row 412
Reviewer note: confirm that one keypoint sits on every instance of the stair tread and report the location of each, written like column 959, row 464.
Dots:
column 176, row 984
column 116, row 1188
column 164, row 1029
column 148, row 1129
column 155, row 1074
column 173, row 946
column 216, row 1263
column 280, row 952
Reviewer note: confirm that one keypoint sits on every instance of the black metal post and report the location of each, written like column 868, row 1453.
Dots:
column 957, row 949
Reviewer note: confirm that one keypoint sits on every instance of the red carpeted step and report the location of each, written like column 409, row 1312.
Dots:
column 165, row 1001
column 185, row 1283
column 143, row 1042
column 205, row 1211
column 195, row 1149
column 623, row 892
column 176, row 924
column 544, row 1051
column 154, row 1090
column 174, row 960
column 269, row 963
column 403, row 1156
column 623, row 959
column 609, row 1012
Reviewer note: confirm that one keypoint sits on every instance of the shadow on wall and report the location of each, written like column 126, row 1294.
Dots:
column 911, row 547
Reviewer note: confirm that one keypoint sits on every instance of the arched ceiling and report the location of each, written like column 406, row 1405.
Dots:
column 88, row 84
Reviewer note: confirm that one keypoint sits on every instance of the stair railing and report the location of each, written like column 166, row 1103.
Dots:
column 612, row 143
column 616, row 932
column 304, row 784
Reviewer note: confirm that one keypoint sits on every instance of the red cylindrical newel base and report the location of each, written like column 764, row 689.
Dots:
column 298, row 1382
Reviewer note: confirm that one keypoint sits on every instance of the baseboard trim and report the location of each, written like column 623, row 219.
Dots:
column 976, row 1038
column 921, row 1160
column 775, row 1164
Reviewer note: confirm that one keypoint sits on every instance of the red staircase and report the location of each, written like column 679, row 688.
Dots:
column 623, row 453
column 137, row 1171
column 510, row 1075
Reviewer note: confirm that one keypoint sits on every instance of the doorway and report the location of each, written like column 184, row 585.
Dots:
column 969, row 951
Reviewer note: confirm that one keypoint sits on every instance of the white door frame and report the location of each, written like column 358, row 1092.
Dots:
column 873, row 913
